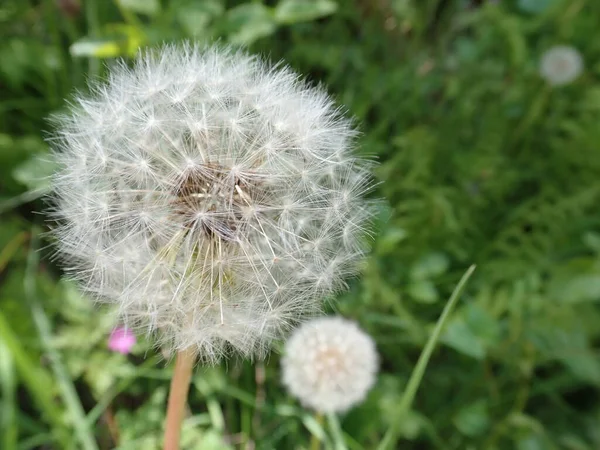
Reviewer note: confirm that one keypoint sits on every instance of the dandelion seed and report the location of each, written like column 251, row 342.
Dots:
column 561, row 65
column 214, row 199
column 329, row 364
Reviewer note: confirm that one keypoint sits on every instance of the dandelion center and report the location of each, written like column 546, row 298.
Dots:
column 329, row 360
column 211, row 200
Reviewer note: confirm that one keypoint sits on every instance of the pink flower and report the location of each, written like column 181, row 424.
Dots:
column 121, row 340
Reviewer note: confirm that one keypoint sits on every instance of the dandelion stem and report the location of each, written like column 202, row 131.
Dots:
column 336, row 432
column 180, row 384
column 315, row 441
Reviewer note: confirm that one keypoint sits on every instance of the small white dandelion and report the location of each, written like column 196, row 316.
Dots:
column 561, row 65
column 330, row 364
column 213, row 198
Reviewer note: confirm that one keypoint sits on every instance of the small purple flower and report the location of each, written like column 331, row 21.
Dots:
column 121, row 340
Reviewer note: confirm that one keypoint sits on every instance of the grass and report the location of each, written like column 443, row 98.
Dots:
column 481, row 162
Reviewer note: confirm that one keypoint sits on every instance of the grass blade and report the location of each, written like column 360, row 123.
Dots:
column 336, row 432
column 34, row 377
column 68, row 392
column 8, row 423
column 389, row 440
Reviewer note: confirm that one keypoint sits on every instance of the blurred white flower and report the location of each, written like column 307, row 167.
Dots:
column 329, row 364
column 211, row 197
column 561, row 65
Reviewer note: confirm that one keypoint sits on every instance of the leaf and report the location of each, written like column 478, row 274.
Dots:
column 582, row 288
column 213, row 380
column 98, row 48
column 473, row 419
column 147, row 7
column 195, row 17
column 23, row 57
column 591, row 102
column 483, row 324
column 531, row 442
column 524, row 422
column 584, row 364
column 35, row 173
column 119, row 39
column 412, row 424
column 315, row 428
column 429, row 266
column 569, row 346
column 103, row 369
column 423, row 291
column 461, row 338
column 591, row 239
column 573, row 442
column 293, row 11
column 140, row 428
column 535, row 6
column 388, row 242
column 17, row 150
column 211, row 440
column 283, row 410
column 249, row 22
column 466, row 49
column 472, row 331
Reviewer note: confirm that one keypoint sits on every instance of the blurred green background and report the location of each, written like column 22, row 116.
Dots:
column 482, row 161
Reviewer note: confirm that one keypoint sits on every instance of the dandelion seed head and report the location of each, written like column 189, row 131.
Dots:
column 330, row 364
column 561, row 65
column 214, row 199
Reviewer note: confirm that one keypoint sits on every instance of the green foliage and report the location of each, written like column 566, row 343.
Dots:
column 481, row 162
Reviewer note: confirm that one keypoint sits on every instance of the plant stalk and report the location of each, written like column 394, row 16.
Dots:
column 390, row 438
column 315, row 442
column 180, row 385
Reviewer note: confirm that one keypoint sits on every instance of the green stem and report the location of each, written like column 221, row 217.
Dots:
column 389, row 440
column 25, row 197
column 315, row 442
column 9, row 425
column 336, row 432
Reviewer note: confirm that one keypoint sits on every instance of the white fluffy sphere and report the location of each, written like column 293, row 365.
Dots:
column 561, row 65
column 330, row 364
column 211, row 197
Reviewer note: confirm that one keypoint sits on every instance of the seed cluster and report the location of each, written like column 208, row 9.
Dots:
column 213, row 199
column 208, row 201
column 330, row 364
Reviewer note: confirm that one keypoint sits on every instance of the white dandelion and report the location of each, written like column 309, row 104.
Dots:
column 330, row 364
column 213, row 198
column 561, row 65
